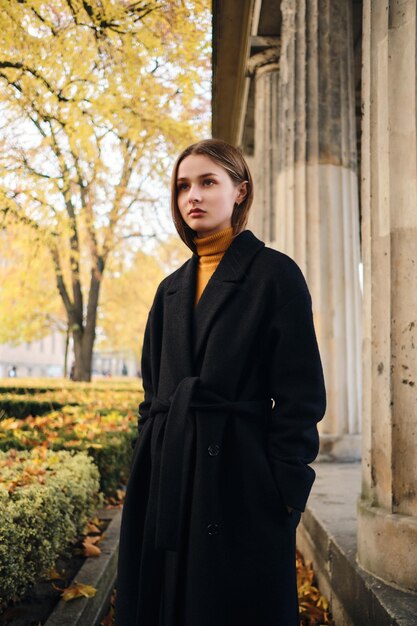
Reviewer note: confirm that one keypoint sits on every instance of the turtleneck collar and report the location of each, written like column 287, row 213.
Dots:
column 214, row 244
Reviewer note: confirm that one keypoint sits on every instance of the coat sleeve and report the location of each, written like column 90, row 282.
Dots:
column 146, row 371
column 145, row 405
column 296, row 383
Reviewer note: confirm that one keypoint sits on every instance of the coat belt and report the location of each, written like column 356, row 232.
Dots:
column 176, row 455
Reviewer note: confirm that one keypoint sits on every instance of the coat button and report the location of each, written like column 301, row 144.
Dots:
column 213, row 449
column 213, row 528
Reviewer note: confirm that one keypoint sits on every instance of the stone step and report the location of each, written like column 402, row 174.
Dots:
column 327, row 537
column 99, row 572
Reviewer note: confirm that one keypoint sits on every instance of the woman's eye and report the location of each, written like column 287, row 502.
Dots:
column 209, row 182
column 182, row 186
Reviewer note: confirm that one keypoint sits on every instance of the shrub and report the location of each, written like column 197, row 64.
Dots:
column 106, row 438
column 23, row 390
column 46, row 499
column 28, row 386
column 39, row 402
column 20, row 407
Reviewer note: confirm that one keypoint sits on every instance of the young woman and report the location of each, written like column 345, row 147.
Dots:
column 234, row 389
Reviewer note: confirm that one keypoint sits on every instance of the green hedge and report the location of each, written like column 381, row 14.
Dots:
column 106, row 438
column 39, row 403
column 32, row 386
column 23, row 390
column 46, row 498
column 21, row 407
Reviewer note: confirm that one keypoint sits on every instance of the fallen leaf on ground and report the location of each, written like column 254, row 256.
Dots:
column 120, row 493
column 91, row 528
column 53, row 574
column 314, row 607
column 78, row 590
column 90, row 549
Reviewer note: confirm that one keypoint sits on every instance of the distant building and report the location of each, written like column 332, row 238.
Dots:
column 41, row 358
column 45, row 359
column 115, row 363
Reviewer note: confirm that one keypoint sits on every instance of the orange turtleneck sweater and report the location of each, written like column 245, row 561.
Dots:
column 210, row 250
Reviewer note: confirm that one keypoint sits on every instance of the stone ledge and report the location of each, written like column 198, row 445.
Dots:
column 387, row 545
column 327, row 537
column 99, row 572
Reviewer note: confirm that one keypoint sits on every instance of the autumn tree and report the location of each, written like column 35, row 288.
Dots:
column 96, row 97
column 30, row 306
column 128, row 290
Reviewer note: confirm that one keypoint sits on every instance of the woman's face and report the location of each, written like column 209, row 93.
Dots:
column 206, row 194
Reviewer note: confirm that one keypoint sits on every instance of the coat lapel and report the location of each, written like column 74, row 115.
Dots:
column 178, row 320
column 223, row 284
column 189, row 326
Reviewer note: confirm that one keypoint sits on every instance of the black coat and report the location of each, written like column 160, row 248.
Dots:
column 206, row 537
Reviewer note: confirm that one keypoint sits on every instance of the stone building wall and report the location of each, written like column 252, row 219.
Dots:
column 331, row 140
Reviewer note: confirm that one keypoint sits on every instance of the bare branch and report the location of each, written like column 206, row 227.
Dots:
column 61, row 284
column 74, row 240
column 25, row 68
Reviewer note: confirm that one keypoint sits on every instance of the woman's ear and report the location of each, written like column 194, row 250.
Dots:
column 243, row 191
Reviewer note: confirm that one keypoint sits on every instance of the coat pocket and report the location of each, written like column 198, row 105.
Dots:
column 275, row 488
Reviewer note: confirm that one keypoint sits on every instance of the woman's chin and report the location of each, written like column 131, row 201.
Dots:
column 201, row 231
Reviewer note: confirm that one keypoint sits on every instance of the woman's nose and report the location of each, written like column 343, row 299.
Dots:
column 193, row 194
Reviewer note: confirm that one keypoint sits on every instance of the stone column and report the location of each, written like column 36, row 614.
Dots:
column 317, row 217
column 266, row 148
column 387, row 522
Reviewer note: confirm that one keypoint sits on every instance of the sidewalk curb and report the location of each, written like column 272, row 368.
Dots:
column 98, row 572
column 327, row 536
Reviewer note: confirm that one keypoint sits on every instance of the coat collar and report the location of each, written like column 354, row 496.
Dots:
column 232, row 266
column 188, row 326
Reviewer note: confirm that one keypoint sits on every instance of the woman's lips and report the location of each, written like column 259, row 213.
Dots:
column 196, row 213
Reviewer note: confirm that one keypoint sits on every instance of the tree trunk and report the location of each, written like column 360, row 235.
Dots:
column 67, row 335
column 84, row 335
column 83, row 355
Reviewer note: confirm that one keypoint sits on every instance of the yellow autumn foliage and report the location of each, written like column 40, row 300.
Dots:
column 128, row 292
column 97, row 97
column 30, row 306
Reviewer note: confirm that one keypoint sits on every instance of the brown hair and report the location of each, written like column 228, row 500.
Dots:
column 231, row 159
